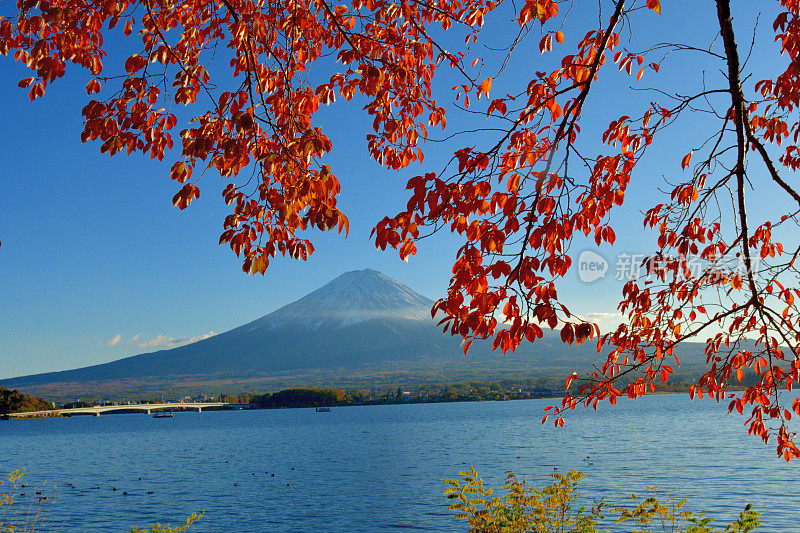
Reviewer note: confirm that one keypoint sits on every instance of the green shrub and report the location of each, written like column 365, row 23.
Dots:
column 651, row 515
column 158, row 528
column 553, row 509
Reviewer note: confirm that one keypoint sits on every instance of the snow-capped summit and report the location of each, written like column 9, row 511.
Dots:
column 351, row 298
column 360, row 329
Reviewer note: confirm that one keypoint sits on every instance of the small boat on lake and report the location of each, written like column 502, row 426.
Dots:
column 323, row 409
column 162, row 414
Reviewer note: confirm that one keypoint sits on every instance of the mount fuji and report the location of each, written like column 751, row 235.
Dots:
column 352, row 298
column 362, row 329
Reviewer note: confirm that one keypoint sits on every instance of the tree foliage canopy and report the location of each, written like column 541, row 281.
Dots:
column 300, row 398
column 13, row 401
column 255, row 72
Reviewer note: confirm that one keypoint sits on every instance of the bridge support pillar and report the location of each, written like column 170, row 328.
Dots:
column 97, row 414
column 199, row 409
column 148, row 411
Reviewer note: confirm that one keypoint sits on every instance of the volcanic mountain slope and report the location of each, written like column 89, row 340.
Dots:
column 360, row 329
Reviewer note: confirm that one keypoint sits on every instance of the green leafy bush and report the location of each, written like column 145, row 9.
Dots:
column 553, row 509
column 651, row 515
column 158, row 528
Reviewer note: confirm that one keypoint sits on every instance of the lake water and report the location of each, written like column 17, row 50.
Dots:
column 378, row 468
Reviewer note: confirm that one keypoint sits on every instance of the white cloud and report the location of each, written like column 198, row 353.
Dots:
column 113, row 341
column 603, row 316
column 159, row 340
column 165, row 341
column 201, row 337
column 607, row 322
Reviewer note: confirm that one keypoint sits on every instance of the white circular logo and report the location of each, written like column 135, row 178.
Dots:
column 591, row 266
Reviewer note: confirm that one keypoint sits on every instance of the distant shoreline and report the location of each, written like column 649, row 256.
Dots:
column 188, row 407
column 472, row 391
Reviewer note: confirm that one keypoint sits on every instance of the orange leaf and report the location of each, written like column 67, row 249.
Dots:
column 486, row 86
column 686, row 159
column 655, row 5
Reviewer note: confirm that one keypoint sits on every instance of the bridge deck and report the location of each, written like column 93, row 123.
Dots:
column 144, row 407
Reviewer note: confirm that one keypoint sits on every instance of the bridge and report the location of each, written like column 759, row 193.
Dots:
column 143, row 407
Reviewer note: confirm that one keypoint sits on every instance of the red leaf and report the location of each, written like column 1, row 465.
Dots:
column 465, row 346
column 134, row 63
column 567, row 333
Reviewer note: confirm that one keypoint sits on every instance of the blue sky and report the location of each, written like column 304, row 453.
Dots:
column 96, row 264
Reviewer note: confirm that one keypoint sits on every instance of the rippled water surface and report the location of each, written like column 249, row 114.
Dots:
column 379, row 468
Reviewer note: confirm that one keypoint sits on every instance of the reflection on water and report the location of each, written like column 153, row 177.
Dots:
column 380, row 467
